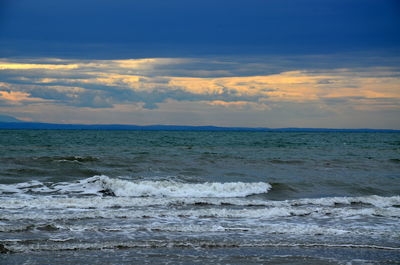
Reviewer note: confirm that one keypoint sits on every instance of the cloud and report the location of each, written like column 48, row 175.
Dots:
column 18, row 98
column 217, row 85
column 15, row 66
column 102, row 83
column 154, row 28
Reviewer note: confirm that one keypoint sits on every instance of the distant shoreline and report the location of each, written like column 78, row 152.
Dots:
column 121, row 127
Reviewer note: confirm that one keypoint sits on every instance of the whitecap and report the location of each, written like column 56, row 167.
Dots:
column 164, row 188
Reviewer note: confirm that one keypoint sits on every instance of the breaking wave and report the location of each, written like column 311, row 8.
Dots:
column 103, row 185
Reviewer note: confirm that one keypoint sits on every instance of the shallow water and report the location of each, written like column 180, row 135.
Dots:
column 199, row 197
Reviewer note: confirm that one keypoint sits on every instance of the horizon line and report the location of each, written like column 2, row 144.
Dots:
column 167, row 127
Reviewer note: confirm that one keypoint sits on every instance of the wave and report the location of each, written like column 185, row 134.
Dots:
column 90, row 207
column 79, row 159
column 69, row 244
column 218, row 213
column 289, row 162
column 104, row 185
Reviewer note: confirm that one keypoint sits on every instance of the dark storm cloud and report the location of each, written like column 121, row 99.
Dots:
column 178, row 28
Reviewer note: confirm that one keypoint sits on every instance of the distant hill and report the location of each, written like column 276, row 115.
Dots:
column 53, row 126
column 10, row 123
column 6, row 118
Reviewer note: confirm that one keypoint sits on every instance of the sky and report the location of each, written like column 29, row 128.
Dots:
column 250, row 63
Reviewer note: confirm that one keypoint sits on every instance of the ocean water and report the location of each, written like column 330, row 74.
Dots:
column 181, row 197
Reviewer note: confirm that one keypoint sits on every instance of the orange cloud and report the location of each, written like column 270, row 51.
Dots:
column 358, row 86
column 18, row 97
column 292, row 86
column 19, row 66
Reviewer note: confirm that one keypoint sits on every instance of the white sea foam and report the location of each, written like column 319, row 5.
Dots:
column 4, row 189
column 190, row 226
column 377, row 201
column 64, row 244
column 175, row 202
column 70, row 210
column 166, row 192
column 148, row 209
column 119, row 187
column 97, row 202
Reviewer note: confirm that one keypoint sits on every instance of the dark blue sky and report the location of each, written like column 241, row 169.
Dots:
column 179, row 28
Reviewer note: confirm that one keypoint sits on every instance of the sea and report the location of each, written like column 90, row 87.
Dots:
column 199, row 197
